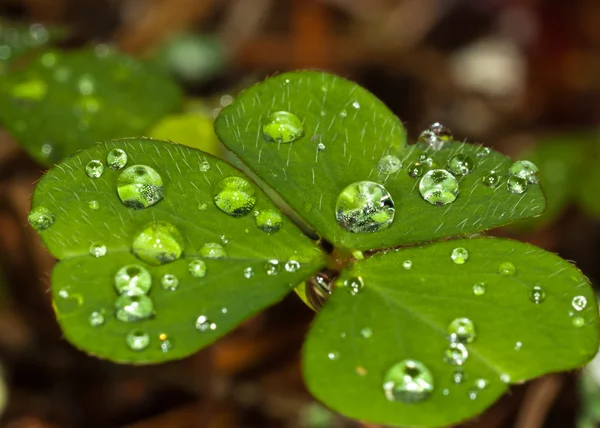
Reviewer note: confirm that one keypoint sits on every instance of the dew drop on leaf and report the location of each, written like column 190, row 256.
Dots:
column 458, row 377
column 96, row 319
column 269, row 220
column 435, row 137
column 169, row 282
column 578, row 321
column 439, row 187
column 461, row 330
column 282, row 127
column 416, row 169
column 334, row 355
column 248, row 272
column 235, row 196
column 579, row 303
column 484, row 152
column 116, row 159
column 366, row 332
column 212, row 250
column 479, row 289
column 133, row 280
column 159, row 242
column 507, row 269
column 389, row 164
column 343, row 114
column 272, row 267
column 407, row 264
column 204, row 166
column 516, row 185
column 165, row 344
column 364, row 207
column 456, row 354
column 354, row 284
column 292, row 266
column 518, row 346
column 202, row 206
column 41, row 218
column 204, row 324
column 492, row 179
column 98, row 249
column 94, row 169
column 461, row 164
column 459, row 255
column 525, row 170
column 94, row 205
column 134, row 308
column 408, row 381
column 137, row 340
column 197, row 268
column 140, row 186
column 537, row 295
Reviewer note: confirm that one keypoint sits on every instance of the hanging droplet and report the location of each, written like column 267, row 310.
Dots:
column 137, row 340
column 525, row 170
column 537, row 295
column 461, row 164
column 459, row 255
column 41, row 218
column 439, row 187
column 479, row 289
column 408, row 381
column 140, row 186
column 492, row 179
column 461, row 330
column 364, row 207
column 389, row 165
column 204, row 324
column 579, row 303
column 212, row 250
column 96, row 319
column 197, row 268
column 133, row 280
column 269, row 221
column 94, row 205
column 97, row 249
column 169, row 282
column 354, row 285
column 272, row 267
column 436, row 137
column 516, row 185
column 407, row 264
column 235, row 196
column 94, row 169
column 507, row 269
column 116, row 159
column 159, row 242
column 456, row 354
column 366, row 332
column 292, row 266
column 248, row 272
column 283, row 127
column 134, row 308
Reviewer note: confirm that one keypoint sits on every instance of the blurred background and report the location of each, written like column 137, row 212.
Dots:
column 521, row 76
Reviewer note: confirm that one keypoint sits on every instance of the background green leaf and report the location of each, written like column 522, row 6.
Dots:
column 404, row 314
column 82, row 284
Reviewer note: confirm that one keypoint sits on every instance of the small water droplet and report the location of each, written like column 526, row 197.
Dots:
column 292, row 266
column 516, row 185
column 133, row 280
column 140, row 186
column 492, row 179
column 41, row 218
column 364, row 207
column 94, row 205
column 507, row 269
column 356, row 105
column 366, row 332
column 481, row 384
column 456, row 354
column 459, row 255
column 159, row 242
column 537, row 295
column 204, row 166
column 197, row 268
column 458, row 377
column 354, row 284
column 407, row 264
column 333, row 355
column 98, row 249
column 505, row 377
column 408, row 381
column 137, row 340
column 94, row 169
column 169, row 282
column 202, row 206
column 204, row 324
column 417, row 169
column 461, row 164
column 272, row 267
column 578, row 321
column 96, row 319
column 134, row 308
column 579, row 303
column 248, row 272
column 321, row 147
column 439, row 187
column 484, row 152
column 116, row 159
column 435, row 137
column 343, row 114
column 473, row 394
column 446, row 391
column 525, row 170
column 518, row 346
column 479, row 289
column 212, row 250
column 269, row 221
column 283, row 127
column 461, row 330
column 235, row 196
column 165, row 344
column 389, row 165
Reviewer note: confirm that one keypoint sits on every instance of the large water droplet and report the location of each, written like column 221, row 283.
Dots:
column 459, row 255
column 456, row 354
column 272, row 267
column 507, row 269
column 461, row 330
column 96, row 319
column 461, row 164
column 159, row 242
column 537, row 295
column 492, row 179
column 140, row 186
column 133, row 280
column 212, row 250
column 282, row 127
column 134, row 308
column 94, row 169
column 436, row 137
column 116, row 159
column 97, row 249
column 169, row 282
column 354, row 284
column 439, row 187
column 479, row 289
column 408, row 381
column 364, row 207
column 579, row 303
column 525, row 170
column 269, row 220
column 197, row 268
column 137, row 340
column 388, row 165
column 41, row 218
column 235, row 196
column 516, row 185
column 204, row 324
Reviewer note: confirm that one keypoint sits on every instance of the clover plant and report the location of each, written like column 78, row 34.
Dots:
column 421, row 321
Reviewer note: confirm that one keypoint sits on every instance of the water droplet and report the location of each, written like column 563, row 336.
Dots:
column 137, row 340
column 159, row 242
column 507, row 269
column 481, row 384
column 484, row 152
column 473, row 394
column 439, row 187
column 407, row 264
column 41, row 218
column 417, row 169
column 272, row 267
column 94, row 205
column 518, row 346
column 165, row 344
column 578, row 322
column 356, row 105
column 579, row 303
column 364, row 207
column 461, row 164
column 456, row 354
column 204, row 324
column 204, row 166
column 408, row 381
column 446, row 391
column 343, row 114
column 354, row 284
column 282, row 127
column 459, row 255
column 133, row 280
column 479, row 289
column 436, row 137
column 366, row 332
column 235, row 196
column 248, row 272
column 458, row 377
column 505, row 377
column 292, row 266
column 116, row 159
column 321, row 147
column 94, row 169
column 212, row 250
column 492, row 179
column 96, row 319
column 461, row 330
column 140, row 186
column 98, row 249
column 202, row 206
column 525, row 170
column 134, row 308
column 537, row 295
column 197, row 268
column 389, row 165
column 269, row 221
column 516, row 185
column 169, row 282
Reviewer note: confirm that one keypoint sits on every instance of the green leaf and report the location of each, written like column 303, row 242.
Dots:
column 405, row 313
column 88, row 214
column 63, row 102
